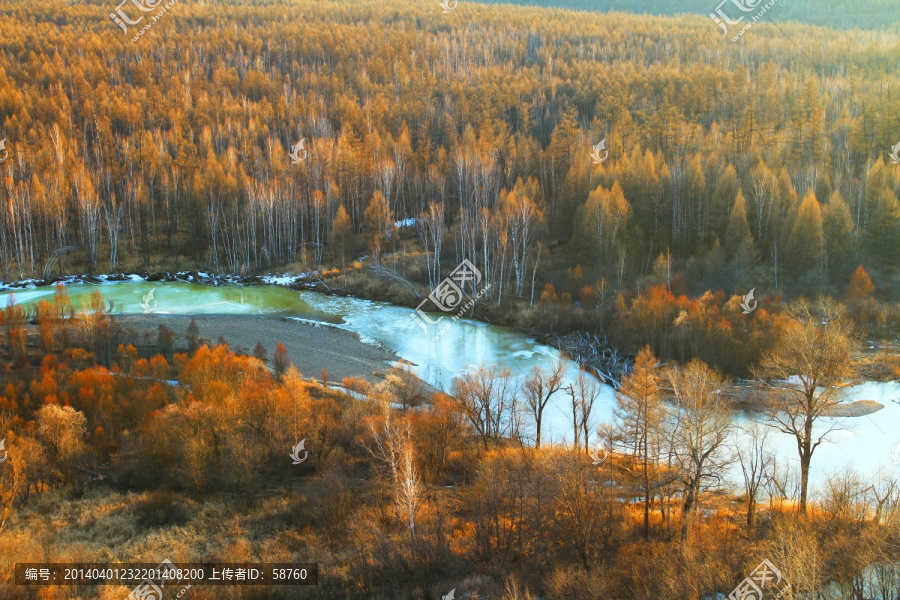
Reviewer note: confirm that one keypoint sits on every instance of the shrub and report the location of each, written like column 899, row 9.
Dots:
column 160, row 509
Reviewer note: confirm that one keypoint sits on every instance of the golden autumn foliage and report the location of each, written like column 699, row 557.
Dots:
column 151, row 446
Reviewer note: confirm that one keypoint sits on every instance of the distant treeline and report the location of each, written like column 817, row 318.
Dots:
column 844, row 14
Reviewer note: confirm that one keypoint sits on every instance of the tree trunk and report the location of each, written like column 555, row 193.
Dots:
column 805, row 460
column 646, row 492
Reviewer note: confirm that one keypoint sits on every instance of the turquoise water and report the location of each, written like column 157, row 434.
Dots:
column 180, row 298
column 869, row 444
column 437, row 359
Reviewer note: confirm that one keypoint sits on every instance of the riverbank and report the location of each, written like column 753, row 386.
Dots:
column 311, row 347
column 593, row 352
column 543, row 322
column 308, row 280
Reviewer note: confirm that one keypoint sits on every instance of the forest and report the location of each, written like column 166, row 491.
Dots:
column 626, row 177
column 175, row 445
column 738, row 165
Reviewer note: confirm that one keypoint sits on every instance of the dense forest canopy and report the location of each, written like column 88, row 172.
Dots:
column 754, row 163
column 865, row 14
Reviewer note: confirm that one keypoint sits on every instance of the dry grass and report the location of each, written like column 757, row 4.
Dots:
column 102, row 526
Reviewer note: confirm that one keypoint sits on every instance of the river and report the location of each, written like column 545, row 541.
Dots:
column 866, row 443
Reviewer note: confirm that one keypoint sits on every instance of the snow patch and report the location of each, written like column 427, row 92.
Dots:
column 370, row 341
column 313, row 322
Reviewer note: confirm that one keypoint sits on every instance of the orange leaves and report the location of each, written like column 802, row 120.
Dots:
column 280, row 360
column 860, row 287
column 860, row 297
column 222, row 367
column 548, row 296
column 711, row 327
column 157, row 395
column 44, row 313
column 93, row 389
column 159, row 367
column 46, row 386
column 126, row 356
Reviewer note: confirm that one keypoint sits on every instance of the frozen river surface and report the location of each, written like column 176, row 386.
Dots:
column 866, row 444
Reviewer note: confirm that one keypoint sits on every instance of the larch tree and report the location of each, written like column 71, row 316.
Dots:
column 723, row 197
column 860, row 290
column 738, row 232
column 641, row 413
column 806, row 244
column 882, row 228
column 739, row 246
column 837, row 227
column 606, row 215
column 342, row 229
column 380, row 222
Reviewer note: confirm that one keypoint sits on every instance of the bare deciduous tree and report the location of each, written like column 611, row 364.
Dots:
column 804, row 372
column 587, row 512
column 486, row 398
column 756, row 463
column 538, row 389
column 700, row 426
column 583, row 394
column 392, row 445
